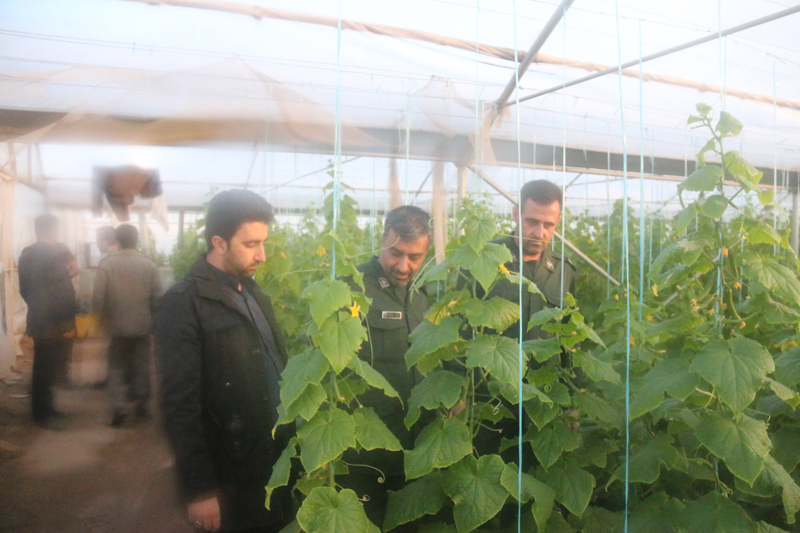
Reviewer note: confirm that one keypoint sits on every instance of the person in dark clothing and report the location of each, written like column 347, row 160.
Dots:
column 45, row 271
column 393, row 314
column 221, row 353
column 536, row 219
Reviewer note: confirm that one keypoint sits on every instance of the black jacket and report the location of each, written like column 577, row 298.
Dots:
column 46, row 287
column 215, row 397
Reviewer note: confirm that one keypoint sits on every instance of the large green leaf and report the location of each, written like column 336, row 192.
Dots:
column 714, row 513
column 774, row 276
column 532, row 489
column 596, row 407
column 645, row 465
column 499, row 356
column 372, row 433
column 551, row 442
column 573, row 486
column 688, row 248
column 764, row 527
column 540, row 412
column 281, row 469
column 325, row 437
column 307, row 404
column 714, row 206
column 429, row 337
column 779, row 478
column 657, row 514
column 600, row 520
column 479, row 231
column 325, row 297
column 372, row 376
column 703, row 179
column 728, row 124
column 545, row 315
column 483, row 266
column 475, row 488
column 741, row 442
column 736, row 368
column 542, row 349
column 496, row 313
column 783, row 392
column 595, row 368
column 786, row 442
column 424, row 496
column 741, row 170
column 671, row 376
column 438, row 388
column 339, row 339
column 328, row 511
column 302, row 369
column 440, row 444
column 759, row 232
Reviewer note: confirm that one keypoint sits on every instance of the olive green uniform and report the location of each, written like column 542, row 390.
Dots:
column 546, row 274
column 392, row 316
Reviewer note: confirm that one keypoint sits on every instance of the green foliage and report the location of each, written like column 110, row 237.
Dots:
column 714, row 369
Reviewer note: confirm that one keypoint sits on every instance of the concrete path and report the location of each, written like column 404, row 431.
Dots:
column 88, row 478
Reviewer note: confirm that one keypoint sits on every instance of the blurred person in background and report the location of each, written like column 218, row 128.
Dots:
column 126, row 289
column 46, row 269
column 106, row 239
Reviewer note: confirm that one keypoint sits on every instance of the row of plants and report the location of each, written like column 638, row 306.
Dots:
column 710, row 440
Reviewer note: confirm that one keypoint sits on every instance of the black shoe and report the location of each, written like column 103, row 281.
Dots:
column 118, row 419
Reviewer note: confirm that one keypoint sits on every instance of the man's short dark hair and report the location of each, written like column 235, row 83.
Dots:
column 541, row 192
column 127, row 236
column 44, row 225
column 107, row 235
column 408, row 222
column 230, row 209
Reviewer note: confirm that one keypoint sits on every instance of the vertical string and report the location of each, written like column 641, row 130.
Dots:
column 608, row 222
column 373, row 211
column 563, row 157
column 642, row 221
column 337, row 137
column 408, row 145
column 520, row 361
column 625, row 268
column 774, row 145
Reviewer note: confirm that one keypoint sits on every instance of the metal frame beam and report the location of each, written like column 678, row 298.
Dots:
column 753, row 23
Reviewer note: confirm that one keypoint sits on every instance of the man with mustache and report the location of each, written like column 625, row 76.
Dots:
column 395, row 311
column 222, row 353
column 536, row 219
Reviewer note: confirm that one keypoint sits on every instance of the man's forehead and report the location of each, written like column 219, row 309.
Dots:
column 531, row 209
column 393, row 242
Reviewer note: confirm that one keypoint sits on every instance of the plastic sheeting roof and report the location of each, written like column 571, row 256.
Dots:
column 137, row 74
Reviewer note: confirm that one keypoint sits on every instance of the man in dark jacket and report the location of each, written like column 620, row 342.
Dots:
column 393, row 314
column 221, row 354
column 45, row 271
column 537, row 219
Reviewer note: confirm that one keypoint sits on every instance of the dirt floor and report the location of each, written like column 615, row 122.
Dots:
column 89, row 477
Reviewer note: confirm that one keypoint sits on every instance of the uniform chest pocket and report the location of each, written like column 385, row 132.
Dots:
column 386, row 319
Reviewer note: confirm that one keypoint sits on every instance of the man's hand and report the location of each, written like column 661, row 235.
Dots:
column 205, row 514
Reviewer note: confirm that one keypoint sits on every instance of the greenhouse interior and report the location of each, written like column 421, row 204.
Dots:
column 645, row 379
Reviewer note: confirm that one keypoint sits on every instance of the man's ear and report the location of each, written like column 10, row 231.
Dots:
column 220, row 245
column 515, row 214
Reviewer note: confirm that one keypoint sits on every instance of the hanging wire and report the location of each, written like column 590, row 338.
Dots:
column 608, row 224
column 563, row 158
column 337, row 143
column 642, row 221
column 626, row 277
column 520, row 361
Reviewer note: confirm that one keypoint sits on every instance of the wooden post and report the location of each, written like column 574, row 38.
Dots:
column 180, row 229
column 795, row 221
column 439, row 211
column 144, row 234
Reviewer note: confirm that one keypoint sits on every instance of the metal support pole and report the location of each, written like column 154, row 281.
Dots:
column 490, row 182
column 668, row 51
column 795, row 221
column 555, row 18
column 461, row 190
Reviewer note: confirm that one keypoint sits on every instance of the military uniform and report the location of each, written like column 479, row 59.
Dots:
column 392, row 316
column 546, row 274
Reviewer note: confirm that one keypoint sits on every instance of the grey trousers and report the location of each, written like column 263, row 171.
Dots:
column 129, row 371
